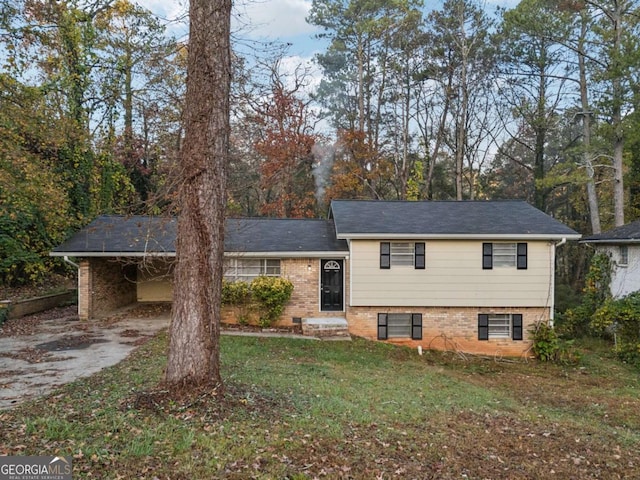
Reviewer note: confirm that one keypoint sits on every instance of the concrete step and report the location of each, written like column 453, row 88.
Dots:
column 326, row 328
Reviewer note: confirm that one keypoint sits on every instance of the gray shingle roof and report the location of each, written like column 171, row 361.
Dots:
column 629, row 233
column 445, row 219
column 137, row 235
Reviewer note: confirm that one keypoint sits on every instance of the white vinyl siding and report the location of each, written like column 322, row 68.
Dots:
column 625, row 279
column 454, row 277
column 246, row 269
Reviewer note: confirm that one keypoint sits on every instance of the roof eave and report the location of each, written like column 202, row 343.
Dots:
column 612, row 241
column 318, row 254
column 313, row 254
column 112, row 254
column 455, row 236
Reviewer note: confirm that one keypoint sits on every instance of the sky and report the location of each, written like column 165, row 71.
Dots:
column 259, row 20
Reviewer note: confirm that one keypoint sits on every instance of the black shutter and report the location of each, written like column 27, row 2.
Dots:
column 516, row 320
column 385, row 255
column 487, row 256
column 382, row 326
column 416, row 326
column 483, row 326
column 522, row 256
column 419, row 256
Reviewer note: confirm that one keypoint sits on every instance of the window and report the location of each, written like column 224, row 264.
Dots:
column 499, row 325
column 624, row 255
column 400, row 325
column 402, row 254
column 246, row 269
column 504, row 255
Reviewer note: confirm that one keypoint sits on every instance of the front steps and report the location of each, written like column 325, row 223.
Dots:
column 331, row 328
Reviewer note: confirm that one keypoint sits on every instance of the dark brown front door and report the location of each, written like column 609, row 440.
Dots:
column 331, row 285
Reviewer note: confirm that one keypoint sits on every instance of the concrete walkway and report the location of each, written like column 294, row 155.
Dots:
column 60, row 349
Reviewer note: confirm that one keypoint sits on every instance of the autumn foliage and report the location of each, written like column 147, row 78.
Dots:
column 287, row 158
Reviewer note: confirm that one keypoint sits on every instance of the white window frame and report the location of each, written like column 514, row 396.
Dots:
column 402, row 254
column 500, row 326
column 239, row 269
column 623, row 251
column 505, row 255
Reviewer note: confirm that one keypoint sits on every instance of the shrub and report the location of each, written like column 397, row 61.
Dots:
column 237, row 295
column 548, row 347
column 576, row 321
column 545, row 342
column 622, row 318
column 272, row 294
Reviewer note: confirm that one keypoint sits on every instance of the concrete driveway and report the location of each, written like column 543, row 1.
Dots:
column 44, row 351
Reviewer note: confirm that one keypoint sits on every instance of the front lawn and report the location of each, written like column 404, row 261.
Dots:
column 302, row 409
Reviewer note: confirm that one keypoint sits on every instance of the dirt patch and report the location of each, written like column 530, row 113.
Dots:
column 53, row 283
column 79, row 342
column 31, row 324
column 33, row 355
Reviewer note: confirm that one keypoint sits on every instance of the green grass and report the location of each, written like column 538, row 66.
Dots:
column 305, row 409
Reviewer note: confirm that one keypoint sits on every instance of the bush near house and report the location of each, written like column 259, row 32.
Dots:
column 622, row 318
column 267, row 295
column 576, row 322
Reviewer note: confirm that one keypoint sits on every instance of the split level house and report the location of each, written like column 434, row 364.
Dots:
column 622, row 245
column 472, row 276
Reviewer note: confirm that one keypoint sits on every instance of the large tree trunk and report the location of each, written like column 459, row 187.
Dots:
column 194, row 355
column 592, row 194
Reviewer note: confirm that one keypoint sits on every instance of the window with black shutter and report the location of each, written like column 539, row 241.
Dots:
column 382, row 326
column 399, row 325
column 419, row 256
column 503, row 254
column 416, row 326
column 487, row 256
column 385, row 255
column 516, row 320
column 522, row 256
column 483, row 326
column 500, row 326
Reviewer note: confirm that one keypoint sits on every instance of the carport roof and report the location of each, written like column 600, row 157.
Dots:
column 114, row 235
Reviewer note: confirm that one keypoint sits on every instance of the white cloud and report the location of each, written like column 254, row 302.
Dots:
column 275, row 19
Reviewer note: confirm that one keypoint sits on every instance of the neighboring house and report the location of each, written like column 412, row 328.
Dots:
column 473, row 276
column 622, row 245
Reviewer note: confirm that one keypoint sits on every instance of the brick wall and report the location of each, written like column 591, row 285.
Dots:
column 450, row 328
column 104, row 285
column 304, row 273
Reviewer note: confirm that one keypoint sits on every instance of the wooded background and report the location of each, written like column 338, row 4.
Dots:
column 539, row 102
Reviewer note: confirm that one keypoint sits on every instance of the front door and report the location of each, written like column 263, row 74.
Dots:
column 331, row 285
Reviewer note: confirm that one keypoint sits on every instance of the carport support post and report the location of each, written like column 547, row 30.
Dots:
column 84, row 290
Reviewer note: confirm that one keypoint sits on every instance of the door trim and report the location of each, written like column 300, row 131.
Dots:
column 320, row 269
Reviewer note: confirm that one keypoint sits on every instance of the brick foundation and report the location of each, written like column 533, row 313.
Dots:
column 450, row 328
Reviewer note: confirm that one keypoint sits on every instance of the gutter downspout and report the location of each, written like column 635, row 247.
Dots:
column 66, row 259
column 553, row 280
